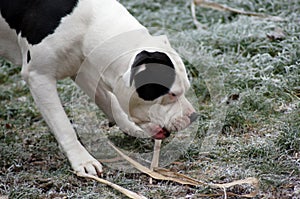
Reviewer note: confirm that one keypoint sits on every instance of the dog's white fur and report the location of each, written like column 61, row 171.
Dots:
column 73, row 50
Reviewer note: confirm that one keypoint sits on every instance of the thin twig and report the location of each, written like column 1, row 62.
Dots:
column 220, row 7
column 126, row 192
column 196, row 22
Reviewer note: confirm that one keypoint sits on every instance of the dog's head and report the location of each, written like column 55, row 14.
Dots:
column 158, row 104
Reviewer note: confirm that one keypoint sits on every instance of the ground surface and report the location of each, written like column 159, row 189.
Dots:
column 245, row 74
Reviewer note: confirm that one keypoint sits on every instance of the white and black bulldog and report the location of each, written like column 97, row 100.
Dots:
column 137, row 79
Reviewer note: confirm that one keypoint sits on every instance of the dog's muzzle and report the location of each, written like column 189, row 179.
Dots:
column 164, row 133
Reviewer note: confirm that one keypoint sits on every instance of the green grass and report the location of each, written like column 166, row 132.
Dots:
column 232, row 60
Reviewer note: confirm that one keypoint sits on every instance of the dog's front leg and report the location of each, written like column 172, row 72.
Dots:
column 43, row 89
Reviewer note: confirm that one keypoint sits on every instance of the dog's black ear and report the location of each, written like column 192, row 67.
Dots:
column 146, row 57
column 153, row 74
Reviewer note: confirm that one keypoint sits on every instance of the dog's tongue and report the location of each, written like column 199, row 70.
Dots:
column 161, row 134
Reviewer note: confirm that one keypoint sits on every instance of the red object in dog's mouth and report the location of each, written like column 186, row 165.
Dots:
column 161, row 134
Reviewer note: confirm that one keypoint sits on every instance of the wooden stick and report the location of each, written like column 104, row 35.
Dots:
column 155, row 158
column 126, row 192
column 220, row 7
column 195, row 21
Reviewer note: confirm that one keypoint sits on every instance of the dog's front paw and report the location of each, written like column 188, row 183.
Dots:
column 82, row 162
column 89, row 166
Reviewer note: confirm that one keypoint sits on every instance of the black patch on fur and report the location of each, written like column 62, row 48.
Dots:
column 28, row 56
column 35, row 19
column 156, row 79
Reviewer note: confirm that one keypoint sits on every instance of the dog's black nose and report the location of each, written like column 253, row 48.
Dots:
column 193, row 116
column 166, row 132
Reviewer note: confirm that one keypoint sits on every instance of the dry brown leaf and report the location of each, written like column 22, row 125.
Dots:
column 164, row 174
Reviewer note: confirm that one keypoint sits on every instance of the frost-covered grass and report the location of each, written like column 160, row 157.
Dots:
column 232, row 59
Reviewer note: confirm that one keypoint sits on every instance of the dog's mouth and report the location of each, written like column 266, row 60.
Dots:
column 155, row 131
column 161, row 134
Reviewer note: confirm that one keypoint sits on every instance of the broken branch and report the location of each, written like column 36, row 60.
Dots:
column 126, row 192
column 220, row 7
